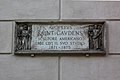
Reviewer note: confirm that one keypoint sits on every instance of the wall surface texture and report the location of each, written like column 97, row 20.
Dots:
column 13, row 67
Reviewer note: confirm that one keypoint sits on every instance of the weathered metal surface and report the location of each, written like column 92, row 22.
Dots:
column 59, row 37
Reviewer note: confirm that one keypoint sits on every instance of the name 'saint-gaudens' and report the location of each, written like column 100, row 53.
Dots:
column 74, row 33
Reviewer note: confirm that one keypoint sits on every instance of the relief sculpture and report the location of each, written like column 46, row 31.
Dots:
column 23, row 37
column 96, row 37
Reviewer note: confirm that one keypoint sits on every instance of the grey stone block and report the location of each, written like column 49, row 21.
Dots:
column 114, row 36
column 29, row 9
column 5, row 37
column 77, row 9
column 90, row 68
column 28, row 68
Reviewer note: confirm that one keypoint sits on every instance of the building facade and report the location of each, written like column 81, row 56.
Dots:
column 49, row 67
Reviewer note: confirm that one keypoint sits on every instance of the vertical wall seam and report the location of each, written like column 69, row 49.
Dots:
column 59, row 68
column 59, row 57
column 60, row 10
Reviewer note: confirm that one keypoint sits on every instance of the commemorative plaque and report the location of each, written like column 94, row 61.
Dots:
column 59, row 38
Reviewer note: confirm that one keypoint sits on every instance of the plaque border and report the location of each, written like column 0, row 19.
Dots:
column 67, row 52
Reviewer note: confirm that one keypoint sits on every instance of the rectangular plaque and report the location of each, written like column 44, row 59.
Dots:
column 59, row 37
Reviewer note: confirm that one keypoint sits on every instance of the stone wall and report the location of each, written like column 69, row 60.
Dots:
column 14, row 67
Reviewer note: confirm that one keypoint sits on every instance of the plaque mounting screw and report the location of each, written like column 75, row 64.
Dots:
column 32, row 55
column 87, row 55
